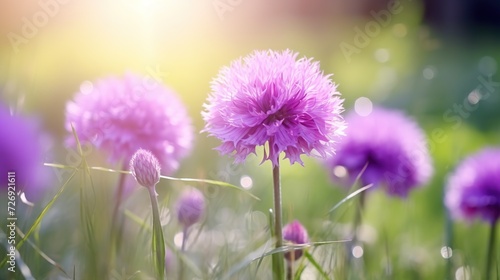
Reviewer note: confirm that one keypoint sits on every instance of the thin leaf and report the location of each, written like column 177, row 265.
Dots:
column 60, row 166
column 291, row 247
column 316, row 265
column 140, row 221
column 206, row 181
column 42, row 254
column 40, row 217
column 350, row 196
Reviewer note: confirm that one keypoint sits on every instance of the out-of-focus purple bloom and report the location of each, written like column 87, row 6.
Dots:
column 121, row 115
column 190, row 207
column 271, row 97
column 145, row 168
column 21, row 151
column 391, row 146
column 473, row 190
column 295, row 233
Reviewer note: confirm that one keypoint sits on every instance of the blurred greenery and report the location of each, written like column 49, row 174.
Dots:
column 407, row 65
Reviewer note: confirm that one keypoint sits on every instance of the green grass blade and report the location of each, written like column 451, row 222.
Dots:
column 140, row 221
column 350, row 196
column 311, row 259
column 40, row 216
column 42, row 254
column 193, row 180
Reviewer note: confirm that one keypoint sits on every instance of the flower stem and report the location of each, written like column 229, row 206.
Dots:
column 278, row 266
column 158, row 243
column 116, row 224
column 289, row 270
column 183, row 250
column 491, row 250
column 355, row 238
column 119, row 195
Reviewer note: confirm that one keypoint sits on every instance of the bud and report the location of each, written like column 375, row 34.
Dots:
column 145, row 168
column 296, row 234
column 190, row 207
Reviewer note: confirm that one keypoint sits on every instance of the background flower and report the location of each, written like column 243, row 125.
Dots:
column 473, row 189
column 391, row 145
column 190, row 207
column 21, row 151
column 271, row 97
column 295, row 233
column 121, row 115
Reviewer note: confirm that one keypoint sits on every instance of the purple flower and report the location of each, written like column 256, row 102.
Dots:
column 21, row 151
column 190, row 207
column 390, row 145
column 121, row 115
column 473, row 190
column 145, row 168
column 271, row 97
column 295, row 233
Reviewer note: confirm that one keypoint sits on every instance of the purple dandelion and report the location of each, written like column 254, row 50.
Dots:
column 391, row 146
column 473, row 190
column 272, row 98
column 122, row 115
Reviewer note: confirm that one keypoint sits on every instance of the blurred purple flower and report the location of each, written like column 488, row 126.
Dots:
column 190, row 207
column 473, row 190
column 21, row 151
column 271, row 97
column 145, row 168
column 391, row 145
column 121, row 115
column 295, row 233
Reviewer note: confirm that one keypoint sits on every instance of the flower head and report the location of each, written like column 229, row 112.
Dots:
column 473, row 190
column 21, row 152
column 190, row 207
column 271, row 97
column 389, row 146
column 295, row 233
column 121, row 115
column 145, row 168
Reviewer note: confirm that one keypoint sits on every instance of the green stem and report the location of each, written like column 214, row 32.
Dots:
column 158, row 243
column 357, row 223
column 289, row 270
column 278, row 266
column 491, row 250
column 118, row 197
column 116, row 224
column 183, row 250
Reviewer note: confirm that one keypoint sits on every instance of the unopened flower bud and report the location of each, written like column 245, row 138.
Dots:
column 190, row 207
column 145, row 168
column 296, row 234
